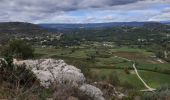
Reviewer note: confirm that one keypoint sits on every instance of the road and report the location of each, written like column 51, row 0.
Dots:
column 148, row 87
column 136, row 71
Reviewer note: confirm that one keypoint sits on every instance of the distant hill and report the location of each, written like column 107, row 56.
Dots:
column 9, row 30
column 166, row 22
column 155, row 26
column 56, row 27
column 21, row 28
column 95, row 31
column 90, row 25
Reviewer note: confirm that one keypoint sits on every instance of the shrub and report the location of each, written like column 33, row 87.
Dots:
column 159, row 54
column 63, row 92
column 127, row 85
column 18, row 49
column 91, row 57
column 86, row 71
column 162, row 93
column 126, row 70
column 113, row 79
column 16, row 75
column 103, row 77
column 18, row 81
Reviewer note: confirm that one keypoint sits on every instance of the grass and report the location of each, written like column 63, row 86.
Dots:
column 105, row 63
column 104, row 58
column 48, row 52
column 127, row 49
column 123, row 77
column 153, row 79
column 154, row 67
column 161, row 68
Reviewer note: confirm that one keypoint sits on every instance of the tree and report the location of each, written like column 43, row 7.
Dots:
column 18, row 49
column 91, row 57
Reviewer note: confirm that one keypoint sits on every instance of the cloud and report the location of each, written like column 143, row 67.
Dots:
column 64, row 5
column 164, row 15
column 82, row 11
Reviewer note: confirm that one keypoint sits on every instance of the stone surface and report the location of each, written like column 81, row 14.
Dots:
column 50, row 70
column 92, row 91
column 72, row 98
column 2, row 60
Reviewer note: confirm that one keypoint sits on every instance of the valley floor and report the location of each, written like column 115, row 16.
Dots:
column 103, row 61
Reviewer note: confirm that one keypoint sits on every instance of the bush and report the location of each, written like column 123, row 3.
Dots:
column 91, row 57
column 159, row 54
column 162, row 93
column 103, row 77
column 83, row 67
column 113, row 79
column 126, row 70
column 16, row 81
column 127, row 85
column 18, row 49
column 63, row 92
column 16, row 75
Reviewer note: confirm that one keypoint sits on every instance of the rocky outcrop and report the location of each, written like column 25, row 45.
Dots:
column 2, row 60
column 92, row 91
column 50, row 70
column 109, row 90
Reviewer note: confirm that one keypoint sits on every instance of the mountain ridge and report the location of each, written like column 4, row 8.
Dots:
column 67, row 26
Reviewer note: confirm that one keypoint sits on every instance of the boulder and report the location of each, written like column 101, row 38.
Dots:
column 50, row 70
column 92, row 91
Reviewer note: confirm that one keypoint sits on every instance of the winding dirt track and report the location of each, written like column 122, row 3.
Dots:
column 136, row 71
column 148, row 87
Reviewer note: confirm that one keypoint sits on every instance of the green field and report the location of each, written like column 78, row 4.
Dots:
column 152, row 71
column 153, row 79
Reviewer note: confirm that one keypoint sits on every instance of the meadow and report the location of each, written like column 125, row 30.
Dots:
column 103, row 61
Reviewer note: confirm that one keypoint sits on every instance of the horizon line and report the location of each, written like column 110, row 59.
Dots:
column 84, row 23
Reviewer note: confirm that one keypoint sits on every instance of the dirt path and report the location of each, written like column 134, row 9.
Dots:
column 148, row 87
column 136, row 71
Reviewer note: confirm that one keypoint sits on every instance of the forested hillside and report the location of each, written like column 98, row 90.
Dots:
column 148, row 33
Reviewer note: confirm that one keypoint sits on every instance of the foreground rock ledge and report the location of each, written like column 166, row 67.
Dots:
column 50, row 70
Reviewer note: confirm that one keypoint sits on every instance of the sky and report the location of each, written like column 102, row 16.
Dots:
column 83, row 11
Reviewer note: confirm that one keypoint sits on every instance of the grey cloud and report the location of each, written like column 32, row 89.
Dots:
column 55, row 10
column 162, row 16
column 63, row 5
column 167, row 10
column 31, row 10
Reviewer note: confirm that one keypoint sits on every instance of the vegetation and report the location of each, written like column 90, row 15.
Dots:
column 18, row 49
column 20, row 83
column 16, row 81
column 162, row 93
column 103, row 67
column 99, row 53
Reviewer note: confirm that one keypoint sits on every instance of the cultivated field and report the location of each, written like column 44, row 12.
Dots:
column 104, row 61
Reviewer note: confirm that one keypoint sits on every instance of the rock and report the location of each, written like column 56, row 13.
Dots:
column 121, row 95
column 2, row 60
column 72, row 98
column 92, row 91
column 50, row 70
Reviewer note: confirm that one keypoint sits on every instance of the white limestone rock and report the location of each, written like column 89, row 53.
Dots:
column 50, row 70
column 92, row 91
column 2, row 60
